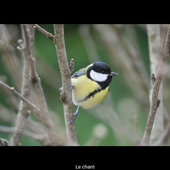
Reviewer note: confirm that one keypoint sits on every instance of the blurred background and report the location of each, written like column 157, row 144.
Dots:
column 120, row 119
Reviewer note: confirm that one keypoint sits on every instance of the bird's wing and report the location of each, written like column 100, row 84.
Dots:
column 78, row 73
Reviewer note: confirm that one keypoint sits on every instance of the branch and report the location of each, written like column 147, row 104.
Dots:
column 167, row 45
column 153, row 32
column 43, row 31
column 44, row 114
column 35, row 128
column 154, row 99
column 58, row 39
column 15, row 93
column 8, row 97
column 39, row 137
column 9, row 58
column 154, row 106
column 66, row 82
column 25, row 92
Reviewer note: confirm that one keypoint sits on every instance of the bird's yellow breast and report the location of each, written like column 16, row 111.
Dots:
column 83, row 86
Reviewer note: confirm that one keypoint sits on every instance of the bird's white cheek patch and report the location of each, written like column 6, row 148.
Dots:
column 98, row 76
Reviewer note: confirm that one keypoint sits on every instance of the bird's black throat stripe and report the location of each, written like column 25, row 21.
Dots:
column 90, row 95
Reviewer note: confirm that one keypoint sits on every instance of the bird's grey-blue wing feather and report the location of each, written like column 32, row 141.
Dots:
column 79, row 73
column 75, row 75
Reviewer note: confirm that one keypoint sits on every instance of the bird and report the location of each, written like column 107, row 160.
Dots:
column 90, row 86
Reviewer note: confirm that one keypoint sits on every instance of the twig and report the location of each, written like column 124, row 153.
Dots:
column 34, row 127
column 9, row 98
column 167, row 45
column 15, row 93
column 25, row 92
column 9, row 58
column 154, row 98
column 153, row 32
column 47, row 34
column 39, row 137
column 44, row 115
column 66, row 82
column 4, row 142
column 153, row 107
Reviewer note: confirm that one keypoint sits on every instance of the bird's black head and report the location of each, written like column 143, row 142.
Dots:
column 101, row 73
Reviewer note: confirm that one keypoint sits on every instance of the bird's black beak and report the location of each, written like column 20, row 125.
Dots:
column 113, row 74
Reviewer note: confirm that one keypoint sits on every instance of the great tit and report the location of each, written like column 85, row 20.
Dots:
column 90, row 86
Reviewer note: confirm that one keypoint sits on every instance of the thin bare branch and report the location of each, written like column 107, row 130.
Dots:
column 39, row 137
column 164, row 56
column 167, row 45
column 15, row 93
column 43, row 31
column 44, row 114
column 9, row 98
column 153, row 31
column 35, row 128
column 9, row 58
column 25, row 92
column 153, row 107
column 66, row 82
